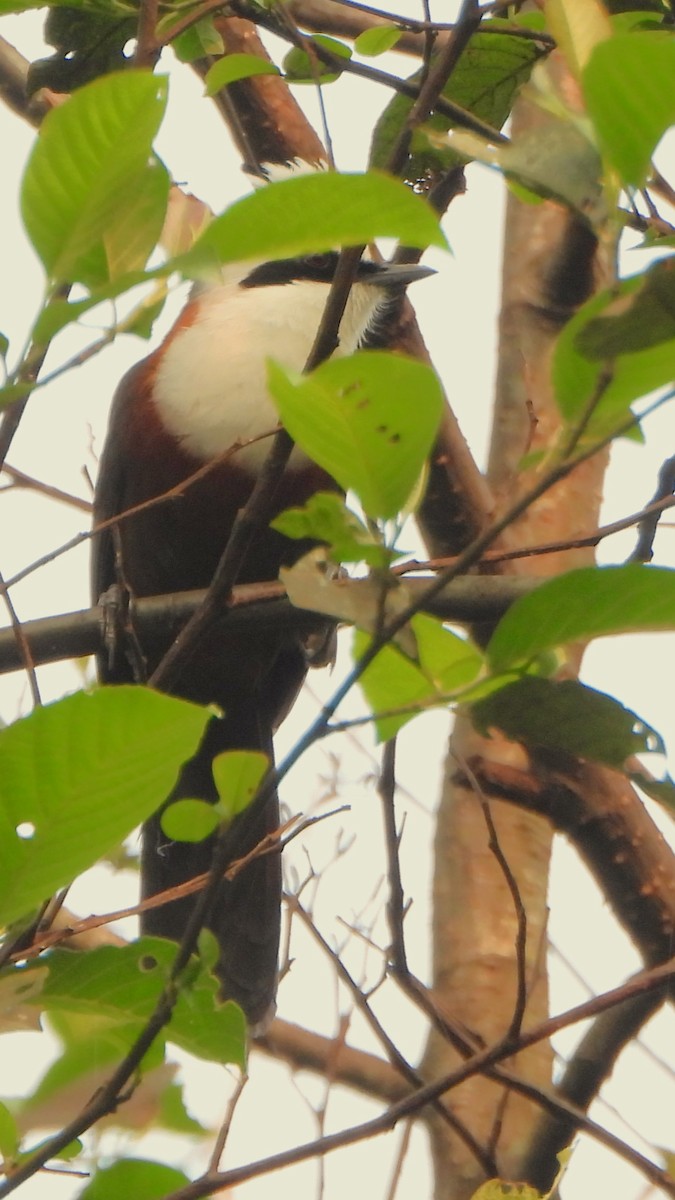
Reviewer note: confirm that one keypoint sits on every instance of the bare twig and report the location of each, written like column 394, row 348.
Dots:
column 226, row 1124
column 520, row 946
column 21, row 643
column 390, row 1048
column 396, row 900
column 21, row 480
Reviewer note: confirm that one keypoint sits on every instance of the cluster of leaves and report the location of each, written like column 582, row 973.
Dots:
column 115, row 752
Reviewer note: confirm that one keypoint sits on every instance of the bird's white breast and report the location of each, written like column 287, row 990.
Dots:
column 210, row 387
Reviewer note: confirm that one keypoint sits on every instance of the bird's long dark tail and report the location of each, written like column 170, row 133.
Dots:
column 245, row 917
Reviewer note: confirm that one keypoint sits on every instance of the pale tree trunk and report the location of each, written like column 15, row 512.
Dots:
column 551, row 265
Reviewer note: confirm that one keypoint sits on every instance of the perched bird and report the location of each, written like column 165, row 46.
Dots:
column 183, row 406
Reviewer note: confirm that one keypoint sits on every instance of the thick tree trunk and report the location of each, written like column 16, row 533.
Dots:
column 551, row 264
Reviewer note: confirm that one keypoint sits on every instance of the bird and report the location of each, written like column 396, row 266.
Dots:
column 200, row 393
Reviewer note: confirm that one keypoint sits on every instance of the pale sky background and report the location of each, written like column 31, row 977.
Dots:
column 63, row 430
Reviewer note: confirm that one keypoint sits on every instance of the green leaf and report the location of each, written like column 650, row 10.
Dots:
column 495, row 1189
column 369, row 420
column 326, row 518
column 189, row 820
column 89, row 41
column 565, row 715
column 662, row 790
column 67, row 1154
column 392, row 681
column 128, row 244
column 610, row 385
column 134, row 1177
column 141, row 321
column 233, row 67
column 17, row 994
column 92, row 1045
column 20, row 6
column 446, row 664
column 238, row 775
column 57, row 314
column 4, row 346
column 642, row 315
column 377, row 40
column 301, row 66
column 198, row 41
column 120, row 985
column 310, row 214
column 557, row 161
column 71, row 1151
column 85, row 171
column 577, row 26
column 77, row 776
column 591, row 602
column 484, row 82
column 174, row 1116
column 628, row 87
column 9, row 1134
column 450, row 661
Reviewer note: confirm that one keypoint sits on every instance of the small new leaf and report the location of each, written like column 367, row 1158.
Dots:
column 238, row 775
column 325, row 518
column 134, row 1177
column 378, row 40
column 440, row 665
column 392, row 682
column 189, row 820
column 198, row 41
column 306, row 66
column 234, row 67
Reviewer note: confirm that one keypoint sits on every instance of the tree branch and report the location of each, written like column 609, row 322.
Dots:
column 304, row 1050
column 600, row 813
column 160, row 618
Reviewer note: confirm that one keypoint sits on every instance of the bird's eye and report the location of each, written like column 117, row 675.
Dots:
column 321, row 263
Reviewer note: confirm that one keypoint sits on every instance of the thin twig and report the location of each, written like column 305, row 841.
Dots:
column 396, row 900
column 413, row 1104
column 439, row 72
column 21, row 480
column 22, row 643
column 511, row 882
column 389, row 1046
column 226, row 1124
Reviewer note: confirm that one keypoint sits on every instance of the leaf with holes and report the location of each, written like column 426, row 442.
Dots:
column 119, row 986
column 77, row 776
column 566, row 716
column 369, row 420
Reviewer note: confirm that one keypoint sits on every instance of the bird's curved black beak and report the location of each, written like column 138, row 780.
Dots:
column 391, row 275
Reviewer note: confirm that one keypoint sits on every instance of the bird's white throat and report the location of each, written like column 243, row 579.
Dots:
column 210, row 387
